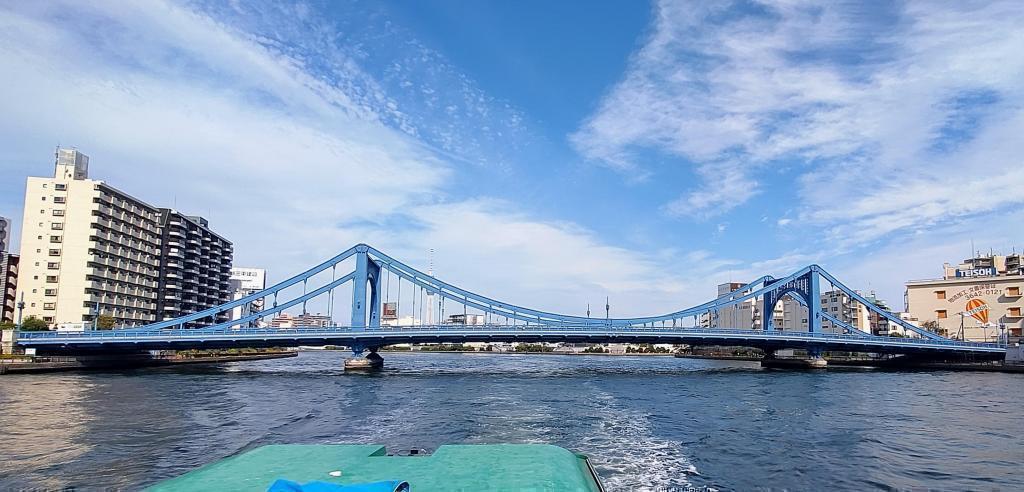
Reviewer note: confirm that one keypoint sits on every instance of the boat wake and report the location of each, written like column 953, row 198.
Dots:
column 626, row 454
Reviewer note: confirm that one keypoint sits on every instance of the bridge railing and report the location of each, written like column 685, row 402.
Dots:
column 221, row 333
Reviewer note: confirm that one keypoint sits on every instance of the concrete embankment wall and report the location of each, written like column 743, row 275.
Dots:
column 52, row 364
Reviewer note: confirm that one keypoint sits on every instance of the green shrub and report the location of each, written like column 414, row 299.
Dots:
column 33, row 323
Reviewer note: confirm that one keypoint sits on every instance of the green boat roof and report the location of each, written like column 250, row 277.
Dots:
column 451, row 467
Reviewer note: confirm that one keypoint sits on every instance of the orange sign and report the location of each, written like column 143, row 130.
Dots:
column 978, row 309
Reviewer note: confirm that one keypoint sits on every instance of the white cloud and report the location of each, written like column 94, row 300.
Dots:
column 865, row 106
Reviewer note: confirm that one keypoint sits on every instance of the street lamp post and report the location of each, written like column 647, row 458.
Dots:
column 21, row 307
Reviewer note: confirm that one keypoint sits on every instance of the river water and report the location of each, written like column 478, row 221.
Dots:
column 648, row 423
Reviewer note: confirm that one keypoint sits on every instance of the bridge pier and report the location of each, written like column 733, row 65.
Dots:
column 373, row 361
column 814, row 360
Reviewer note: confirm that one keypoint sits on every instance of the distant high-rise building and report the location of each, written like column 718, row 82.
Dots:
column 846, row 309
column 89, row 249
column 195, row 266
column 748, row 315
column 8, row 273
column 8, row 286
column 286, row 320
column 5, row 234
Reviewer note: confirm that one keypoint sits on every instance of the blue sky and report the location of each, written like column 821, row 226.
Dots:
column 552, row 153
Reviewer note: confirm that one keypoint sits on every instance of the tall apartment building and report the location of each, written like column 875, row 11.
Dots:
column 88, row 249
column 980, row 299
column 195, row 266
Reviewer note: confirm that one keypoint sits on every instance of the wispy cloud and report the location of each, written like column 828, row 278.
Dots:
column 891, row 114
column 293, row 148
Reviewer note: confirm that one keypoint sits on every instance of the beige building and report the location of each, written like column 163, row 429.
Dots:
column 85, row 244
column 789, row 314
column 747, row 314
column 287, row 320
column 977, row 300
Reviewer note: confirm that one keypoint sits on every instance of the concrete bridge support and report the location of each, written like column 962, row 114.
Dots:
column 7, row 339
column 814, row 360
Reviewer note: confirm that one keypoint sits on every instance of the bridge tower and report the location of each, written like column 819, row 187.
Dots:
column 367, row 272
column 807, row 287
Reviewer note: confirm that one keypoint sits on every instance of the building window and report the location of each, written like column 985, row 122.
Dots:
column 1014, row 312
column 60, row 199
column 50, row 292
column 54, row 252
column 57, row 226
column 940, row 314
column 52, row 279
column 940, row 294
column 55, row 239
column 43, row 197
column 58, row 213
column 53, row 265
column 1013, row 291
column 60, row 186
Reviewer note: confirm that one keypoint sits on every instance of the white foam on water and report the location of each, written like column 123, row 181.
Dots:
column 627, row 456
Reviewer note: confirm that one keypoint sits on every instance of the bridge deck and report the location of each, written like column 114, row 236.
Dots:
column 375, row 337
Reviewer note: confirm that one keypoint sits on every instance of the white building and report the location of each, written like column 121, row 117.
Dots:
column 244, row 282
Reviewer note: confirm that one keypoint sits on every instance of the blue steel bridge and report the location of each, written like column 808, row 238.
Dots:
column 374, row 276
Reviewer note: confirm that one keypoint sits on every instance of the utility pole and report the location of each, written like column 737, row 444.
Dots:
column 21, row 307
column 607, row 309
